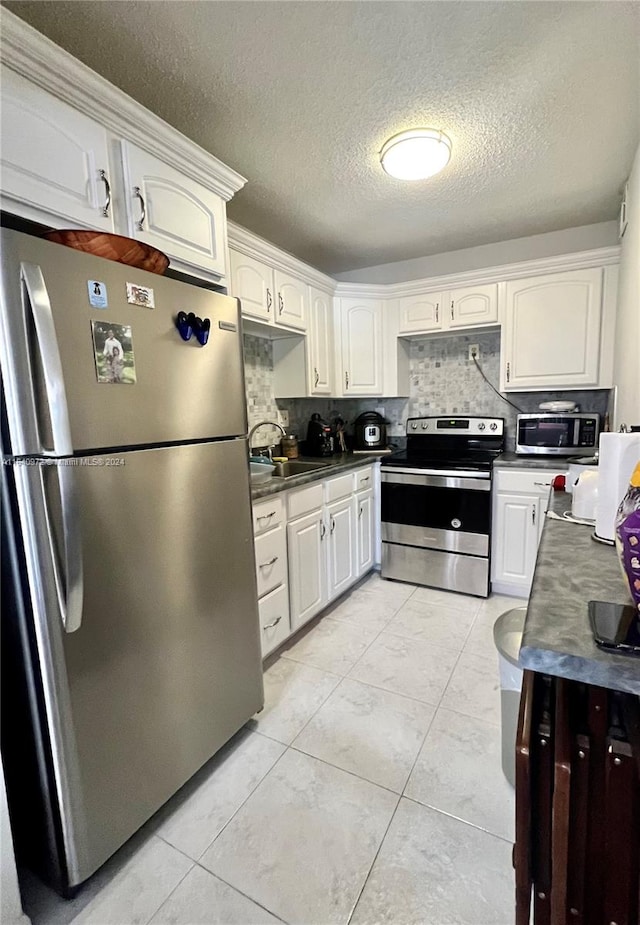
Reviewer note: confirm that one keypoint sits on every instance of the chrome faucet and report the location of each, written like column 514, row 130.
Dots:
column 263, row 424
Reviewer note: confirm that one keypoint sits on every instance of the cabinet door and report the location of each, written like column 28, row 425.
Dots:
column 173, row 212
column 53, row 158
column 361, row 346
column 292, row 297
column 306, row 538
column 342, row 545
column 364, row 505
column 252, row 283
column 421, row 313
column 552, row 331
column 320, row 343
column 473, row 306
column 516, row 538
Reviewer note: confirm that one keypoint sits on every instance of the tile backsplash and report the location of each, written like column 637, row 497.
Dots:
column 442, row 381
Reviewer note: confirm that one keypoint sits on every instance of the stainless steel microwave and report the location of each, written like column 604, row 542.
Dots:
column 567, row 434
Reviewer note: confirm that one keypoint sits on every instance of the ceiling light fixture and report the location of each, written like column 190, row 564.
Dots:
column 416, row 154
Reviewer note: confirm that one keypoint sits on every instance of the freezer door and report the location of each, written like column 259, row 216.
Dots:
column 165, row 665
column 53, row 355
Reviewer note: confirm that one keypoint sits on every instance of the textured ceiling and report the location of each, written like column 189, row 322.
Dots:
column 540, row 100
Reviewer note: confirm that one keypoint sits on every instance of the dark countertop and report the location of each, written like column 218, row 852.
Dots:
column 571, row 570
column 335, row 465
column 512, row 461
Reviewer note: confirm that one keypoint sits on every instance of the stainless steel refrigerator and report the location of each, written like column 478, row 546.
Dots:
column 130, row 620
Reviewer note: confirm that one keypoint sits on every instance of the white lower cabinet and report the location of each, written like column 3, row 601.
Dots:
column 342, row 570
column 312, row 544
column 366, row 531
column 519, row 507
column 307, row 573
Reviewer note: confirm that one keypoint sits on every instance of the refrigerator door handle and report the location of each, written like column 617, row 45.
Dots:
column 69, row 579
column 33, row 281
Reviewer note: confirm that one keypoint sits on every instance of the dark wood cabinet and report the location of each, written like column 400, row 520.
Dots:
column 577, row 850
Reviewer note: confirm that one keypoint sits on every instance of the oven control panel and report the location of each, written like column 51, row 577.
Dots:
column 441, row 426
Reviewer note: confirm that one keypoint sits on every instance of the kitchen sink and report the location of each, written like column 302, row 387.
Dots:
column 296, row 467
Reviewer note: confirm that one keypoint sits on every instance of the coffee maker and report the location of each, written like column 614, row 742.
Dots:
column 319, row 437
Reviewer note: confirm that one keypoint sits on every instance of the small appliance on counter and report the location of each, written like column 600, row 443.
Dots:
column 585, row 496
column 557, row 434
column 319, row 437
column 370, row 432
column 619, row 454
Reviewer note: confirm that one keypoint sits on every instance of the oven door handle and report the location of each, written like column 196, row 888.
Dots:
column 418, row 477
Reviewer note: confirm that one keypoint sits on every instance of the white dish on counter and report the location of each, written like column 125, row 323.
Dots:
column 261, row 472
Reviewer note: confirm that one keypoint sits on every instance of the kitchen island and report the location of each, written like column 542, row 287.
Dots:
column 577, row 851
column 571, row 570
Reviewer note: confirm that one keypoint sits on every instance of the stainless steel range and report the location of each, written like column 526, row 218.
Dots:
column 436, row 503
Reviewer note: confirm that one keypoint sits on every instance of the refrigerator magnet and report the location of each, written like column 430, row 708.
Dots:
column 97, row 293
column 113, row 353
column 140, row 295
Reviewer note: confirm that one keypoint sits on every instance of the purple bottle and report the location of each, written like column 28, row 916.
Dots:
column 628, row 536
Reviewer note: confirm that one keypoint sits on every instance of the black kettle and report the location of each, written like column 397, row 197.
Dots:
column 370, row 431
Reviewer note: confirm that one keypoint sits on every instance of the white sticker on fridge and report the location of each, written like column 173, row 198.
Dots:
column 97, row 293
column 140, row 295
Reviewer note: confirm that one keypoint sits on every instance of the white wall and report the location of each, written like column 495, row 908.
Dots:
column 551, row 244
column 626, row 363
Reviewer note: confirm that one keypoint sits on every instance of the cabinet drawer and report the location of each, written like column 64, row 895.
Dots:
column 364, row 479
column 274, row 619
column 267, row 515
column 271, row 560
column 305, row 500
column 340, row 487
column 532, row 481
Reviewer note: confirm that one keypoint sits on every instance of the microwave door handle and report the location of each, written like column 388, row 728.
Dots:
column 38, row 298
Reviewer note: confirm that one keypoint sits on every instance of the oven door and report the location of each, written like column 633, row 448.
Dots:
column 435, row 511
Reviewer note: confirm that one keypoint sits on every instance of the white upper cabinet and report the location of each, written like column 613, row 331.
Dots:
column 55, row 165
column 320, row 343
column 551, row 336
column 421, row 313
column 456, row 308
column 361, row 325
column 252, row 283
column 172, row 212
column 472, row 306
column 292, row 297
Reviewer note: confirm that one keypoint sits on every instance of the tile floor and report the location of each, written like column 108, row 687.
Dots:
column 369, row 790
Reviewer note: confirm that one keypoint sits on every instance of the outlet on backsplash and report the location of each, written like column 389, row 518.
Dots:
column 283, row 417
column 474, row 351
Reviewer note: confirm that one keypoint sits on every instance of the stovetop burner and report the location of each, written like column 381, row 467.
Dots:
column 455, row 443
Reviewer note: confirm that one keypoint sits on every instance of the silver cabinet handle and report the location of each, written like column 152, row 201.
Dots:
column 141, row 220
column 437, row 309
column 333, row 524
column 508, row 371
column 317, row 374
column 269, row 300
column 323, row 530
column 365, row 479
column 346, row 380
column 452, row 315
column 533, row 515
column 270, row 562
column 543, row 484
column 266, row 516
column 360, row 512
column 268, row 626
column 280, row 303
column 107, row 189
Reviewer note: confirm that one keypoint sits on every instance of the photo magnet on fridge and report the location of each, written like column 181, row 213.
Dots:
column 97, row 293
column 113, row 353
